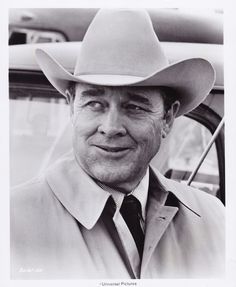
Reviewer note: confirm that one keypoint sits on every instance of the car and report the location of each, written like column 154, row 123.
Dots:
column 34, row 25
column 39, row 116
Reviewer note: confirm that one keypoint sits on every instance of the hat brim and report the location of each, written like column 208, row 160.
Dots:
column 192, row 79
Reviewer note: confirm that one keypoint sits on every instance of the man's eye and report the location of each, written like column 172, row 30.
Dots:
column 94, row 105
column 134, row 108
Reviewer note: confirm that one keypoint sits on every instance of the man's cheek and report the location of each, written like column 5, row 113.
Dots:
column 84, row 128
column 152, row 140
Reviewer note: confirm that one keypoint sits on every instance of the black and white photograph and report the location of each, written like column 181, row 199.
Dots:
column 116, row 144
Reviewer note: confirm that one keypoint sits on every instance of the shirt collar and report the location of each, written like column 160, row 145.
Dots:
column 140, row 192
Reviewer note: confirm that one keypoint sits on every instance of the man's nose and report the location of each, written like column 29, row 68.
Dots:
column 112, row 124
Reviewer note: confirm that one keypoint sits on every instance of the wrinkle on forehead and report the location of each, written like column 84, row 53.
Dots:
column 123, row 90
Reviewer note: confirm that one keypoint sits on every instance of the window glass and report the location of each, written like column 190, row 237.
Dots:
column 180, row 153
column 35, row 124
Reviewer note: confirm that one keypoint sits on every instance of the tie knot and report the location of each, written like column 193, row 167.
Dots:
column 131, row 205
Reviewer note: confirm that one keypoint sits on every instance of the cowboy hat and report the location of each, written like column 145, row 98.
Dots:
column 120, row 48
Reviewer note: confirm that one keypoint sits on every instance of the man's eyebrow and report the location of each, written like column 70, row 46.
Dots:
column 92, row 92
column 138, row 98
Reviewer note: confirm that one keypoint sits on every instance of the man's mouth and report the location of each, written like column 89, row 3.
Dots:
column 112, row 149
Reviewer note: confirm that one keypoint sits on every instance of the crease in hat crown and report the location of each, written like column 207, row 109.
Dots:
column 120, row 48
column 121, row 42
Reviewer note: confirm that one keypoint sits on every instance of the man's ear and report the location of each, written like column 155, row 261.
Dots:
column 170, row 116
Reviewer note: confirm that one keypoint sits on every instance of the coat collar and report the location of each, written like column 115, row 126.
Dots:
column 183, row 193
column 83, row 198
column 77, row 191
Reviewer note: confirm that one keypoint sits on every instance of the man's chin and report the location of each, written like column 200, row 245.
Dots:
column 112, row 177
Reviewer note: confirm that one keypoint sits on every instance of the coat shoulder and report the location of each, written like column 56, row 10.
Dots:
column 197, row 195
column 208, row 206
column 30, row 192
column 198, row 200
column 30, row 202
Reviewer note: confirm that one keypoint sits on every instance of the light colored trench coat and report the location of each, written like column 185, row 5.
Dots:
column 58, row 232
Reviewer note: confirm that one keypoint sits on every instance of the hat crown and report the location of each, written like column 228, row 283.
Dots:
column 120, row 42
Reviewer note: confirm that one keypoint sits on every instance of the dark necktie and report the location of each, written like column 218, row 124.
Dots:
column 131, row 212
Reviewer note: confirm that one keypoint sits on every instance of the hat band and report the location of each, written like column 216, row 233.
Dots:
column 114, row 80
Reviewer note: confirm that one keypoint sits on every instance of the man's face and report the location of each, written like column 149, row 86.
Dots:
column 116, row 131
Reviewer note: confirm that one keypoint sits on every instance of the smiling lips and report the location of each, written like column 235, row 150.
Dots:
column 112, row 149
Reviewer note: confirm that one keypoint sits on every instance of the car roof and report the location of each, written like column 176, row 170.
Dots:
column 21, row 57
column 171, row 25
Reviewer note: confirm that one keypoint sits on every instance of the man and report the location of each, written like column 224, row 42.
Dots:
column 101, row 211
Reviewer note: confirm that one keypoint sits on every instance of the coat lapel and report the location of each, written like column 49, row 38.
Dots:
column 159, row 217
column 164, row 201
column 156, row 226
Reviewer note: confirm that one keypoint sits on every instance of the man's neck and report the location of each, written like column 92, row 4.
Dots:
column 124, row 187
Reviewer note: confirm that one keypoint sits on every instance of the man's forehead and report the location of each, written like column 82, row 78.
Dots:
column 88, row 89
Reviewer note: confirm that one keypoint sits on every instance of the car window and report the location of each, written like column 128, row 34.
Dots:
column 184, row 146
column 36, row 122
